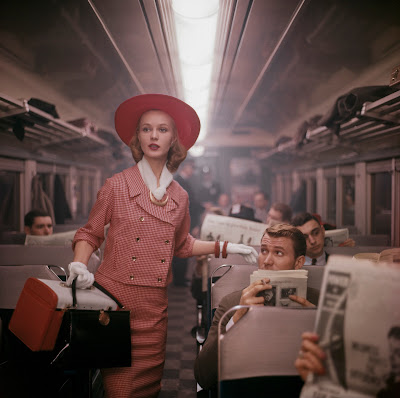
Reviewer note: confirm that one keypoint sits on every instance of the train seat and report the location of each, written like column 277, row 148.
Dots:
column 19, row 262
column 256, row 356
column 214, row 263
column 235, row 277
column 371, row 240
column 351, row 251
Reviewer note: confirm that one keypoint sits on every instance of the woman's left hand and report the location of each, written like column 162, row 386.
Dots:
column 249, row 253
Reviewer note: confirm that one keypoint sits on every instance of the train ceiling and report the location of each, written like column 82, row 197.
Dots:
column 278, row 62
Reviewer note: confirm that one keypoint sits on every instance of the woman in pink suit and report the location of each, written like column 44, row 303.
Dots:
column 149, row 224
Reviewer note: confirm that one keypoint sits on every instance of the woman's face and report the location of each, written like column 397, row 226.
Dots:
column 156, row 134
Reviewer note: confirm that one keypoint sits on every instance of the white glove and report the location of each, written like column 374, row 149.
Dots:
column 249, row 253
column 78, row 270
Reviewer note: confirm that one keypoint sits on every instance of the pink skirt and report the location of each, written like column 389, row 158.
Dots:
column 148, row 306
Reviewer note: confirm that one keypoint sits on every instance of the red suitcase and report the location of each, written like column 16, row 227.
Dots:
column 36, row 319
column 40, row 308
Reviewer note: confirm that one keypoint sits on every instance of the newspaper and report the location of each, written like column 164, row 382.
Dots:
column 233, row 229
column 358, row 309
column 56, row 239
column 284, row 283
column 334, row 237
column 389, row 256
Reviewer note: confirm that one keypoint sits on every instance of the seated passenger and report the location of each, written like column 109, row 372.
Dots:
column 38, row 222
column 311, row 357
column 314, row 233
column 261, row 206
column 279, row 213
column 283, row 247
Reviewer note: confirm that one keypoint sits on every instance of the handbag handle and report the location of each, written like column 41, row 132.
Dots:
column 98, row 286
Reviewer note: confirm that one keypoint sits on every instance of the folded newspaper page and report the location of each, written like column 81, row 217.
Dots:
column 358, row 321
column 334, row 237
column 56, row 239
column 388, row 256
column 233, row 229
column 284, row 283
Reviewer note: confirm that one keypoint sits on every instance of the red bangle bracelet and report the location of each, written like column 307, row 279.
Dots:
column 216, row 249
column 224, row 253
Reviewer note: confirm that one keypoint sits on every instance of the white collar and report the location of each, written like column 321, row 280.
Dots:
column 321, row 260
column 151, row 181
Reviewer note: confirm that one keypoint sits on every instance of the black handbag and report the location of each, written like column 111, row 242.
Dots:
column 94, row 338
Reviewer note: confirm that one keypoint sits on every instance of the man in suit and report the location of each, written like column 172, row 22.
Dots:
column 279, row 213
column 261, row 205
column 314, row 233
column 38, row 222
column 179, row 265
column 283, row 247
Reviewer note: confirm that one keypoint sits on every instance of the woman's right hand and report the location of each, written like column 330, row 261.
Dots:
column 79, row 271
column 311, row 356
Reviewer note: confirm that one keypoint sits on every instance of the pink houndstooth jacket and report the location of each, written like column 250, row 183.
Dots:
column 142, row 237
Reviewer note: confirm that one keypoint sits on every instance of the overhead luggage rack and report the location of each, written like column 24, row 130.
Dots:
column 42, row 129
column 376, row 119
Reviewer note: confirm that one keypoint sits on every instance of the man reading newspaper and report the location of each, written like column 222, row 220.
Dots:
column 282, row 248
column 317, row 238
column 355, row 350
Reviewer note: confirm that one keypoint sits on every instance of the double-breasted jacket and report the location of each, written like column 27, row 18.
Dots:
column 142, row 237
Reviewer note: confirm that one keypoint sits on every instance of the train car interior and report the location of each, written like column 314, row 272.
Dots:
column 298, row 99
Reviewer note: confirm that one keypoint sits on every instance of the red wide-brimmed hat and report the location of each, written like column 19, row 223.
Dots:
column 185, row 117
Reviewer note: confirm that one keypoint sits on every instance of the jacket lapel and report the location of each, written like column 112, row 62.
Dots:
column 138, row 189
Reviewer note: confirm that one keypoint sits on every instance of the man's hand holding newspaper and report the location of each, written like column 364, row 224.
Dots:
column 357, row 323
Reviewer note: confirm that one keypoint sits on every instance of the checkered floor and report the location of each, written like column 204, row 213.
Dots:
column 178, row 379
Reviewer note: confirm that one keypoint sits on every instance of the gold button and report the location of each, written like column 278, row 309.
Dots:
column 167, row 242
column 137, row 239
column 163, row 260
column 131, row 277
column 160, row 279
column 133, row 258
column 141, row 218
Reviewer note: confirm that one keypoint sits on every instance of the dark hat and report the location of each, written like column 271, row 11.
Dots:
column 185, row 117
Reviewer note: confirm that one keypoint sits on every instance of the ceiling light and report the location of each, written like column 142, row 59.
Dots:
column 196, row 25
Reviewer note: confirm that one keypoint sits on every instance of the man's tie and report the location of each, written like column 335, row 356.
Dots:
column 313, row 261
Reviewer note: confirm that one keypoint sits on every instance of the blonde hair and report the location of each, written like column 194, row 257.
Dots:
column 176, row 154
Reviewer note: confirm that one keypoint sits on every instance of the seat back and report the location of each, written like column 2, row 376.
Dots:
column 260, row 350
column 351, row 251
column 19, row 262
column 371, row 240
column 315, row 275
column 265, row 342
column 214, row 263
column 35, row 255
column 236, row 277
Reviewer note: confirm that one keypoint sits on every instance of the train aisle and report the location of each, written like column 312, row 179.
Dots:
column 178, row 379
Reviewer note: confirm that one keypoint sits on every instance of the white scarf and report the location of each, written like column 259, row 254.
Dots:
column 151, row 181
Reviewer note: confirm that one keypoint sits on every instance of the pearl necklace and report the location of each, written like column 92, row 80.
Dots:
column 158, row 202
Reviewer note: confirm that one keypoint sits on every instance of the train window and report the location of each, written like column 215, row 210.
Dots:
column 46, row 183
column 313, row 195
column 79, row 186
column 348, row 200
column 381, row 203
column 9, row 200
column 331, row 200
column 91, row 194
